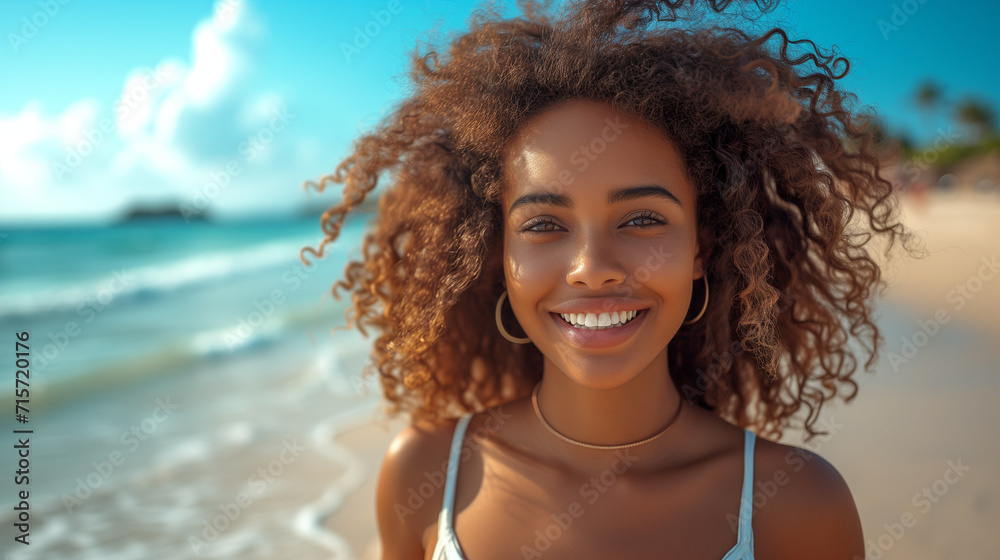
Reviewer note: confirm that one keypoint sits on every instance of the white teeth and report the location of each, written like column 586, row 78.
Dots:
column 599, row 321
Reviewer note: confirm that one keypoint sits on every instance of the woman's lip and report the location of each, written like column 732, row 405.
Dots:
column 598, row 339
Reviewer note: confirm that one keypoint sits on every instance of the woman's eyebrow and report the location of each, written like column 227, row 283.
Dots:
column 614, row 197
column 541, row 198
column 642, row 191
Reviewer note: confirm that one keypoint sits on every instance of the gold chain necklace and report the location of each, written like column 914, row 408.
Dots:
column 534, row 402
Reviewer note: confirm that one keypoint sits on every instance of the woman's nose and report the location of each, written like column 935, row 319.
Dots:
column 595, row 264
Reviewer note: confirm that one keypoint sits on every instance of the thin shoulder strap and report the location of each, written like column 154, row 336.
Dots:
column 453, row 459
column 746, row 500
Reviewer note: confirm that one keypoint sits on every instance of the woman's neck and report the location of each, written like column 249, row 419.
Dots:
column 582, row 410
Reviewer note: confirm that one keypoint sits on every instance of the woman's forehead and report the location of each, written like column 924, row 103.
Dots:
column 582, row 142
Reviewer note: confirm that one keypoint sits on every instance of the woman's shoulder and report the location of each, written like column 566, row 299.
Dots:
column 802, row 505
column 410, row 485
column 420, row 439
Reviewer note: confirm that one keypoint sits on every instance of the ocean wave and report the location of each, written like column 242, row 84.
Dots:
column 240, row 337
column 310, row 521
column 176, row 356
column 152, row 280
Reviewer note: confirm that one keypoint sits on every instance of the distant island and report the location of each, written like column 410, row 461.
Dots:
column 141, row 213
column 177, row 212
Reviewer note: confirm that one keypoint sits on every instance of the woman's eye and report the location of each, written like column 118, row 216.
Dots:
column 539, row 226
column 645, row 219
column 545, row 225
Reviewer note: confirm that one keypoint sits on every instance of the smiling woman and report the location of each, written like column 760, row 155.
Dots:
column 662, row 217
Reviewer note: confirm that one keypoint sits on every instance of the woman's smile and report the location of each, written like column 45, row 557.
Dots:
column 616, row 318
column 606, row 331
column 595, row 321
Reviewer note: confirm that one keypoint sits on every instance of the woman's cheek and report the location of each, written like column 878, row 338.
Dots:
column 525, row 266
column 534, row 272
column 661, row 265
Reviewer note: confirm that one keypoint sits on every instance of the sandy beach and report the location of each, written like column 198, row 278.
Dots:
column 910, row 421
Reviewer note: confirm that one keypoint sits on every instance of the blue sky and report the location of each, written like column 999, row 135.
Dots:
column 227, row 107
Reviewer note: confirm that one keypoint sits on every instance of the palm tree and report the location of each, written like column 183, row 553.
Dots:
column 977, row 116
column 928, row 97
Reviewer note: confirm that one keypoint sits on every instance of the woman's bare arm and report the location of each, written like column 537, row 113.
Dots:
column 401, row 523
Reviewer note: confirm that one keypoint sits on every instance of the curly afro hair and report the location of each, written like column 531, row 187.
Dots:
column 789, row 193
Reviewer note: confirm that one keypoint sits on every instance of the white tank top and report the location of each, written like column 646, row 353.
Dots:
column 447, row 547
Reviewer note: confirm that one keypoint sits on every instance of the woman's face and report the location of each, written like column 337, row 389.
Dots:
column 599, row 222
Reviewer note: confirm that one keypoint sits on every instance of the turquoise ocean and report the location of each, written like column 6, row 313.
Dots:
column 111, row 304
column 170, row 362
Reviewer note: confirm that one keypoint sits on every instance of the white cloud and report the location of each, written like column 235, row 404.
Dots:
column 173, row 127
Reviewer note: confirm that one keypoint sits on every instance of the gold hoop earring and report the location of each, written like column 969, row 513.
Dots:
column 704, row 305
column 500, row 328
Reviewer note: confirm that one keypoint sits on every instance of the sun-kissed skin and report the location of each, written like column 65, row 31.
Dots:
column 679, row 495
